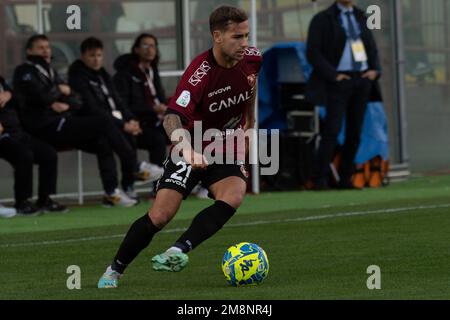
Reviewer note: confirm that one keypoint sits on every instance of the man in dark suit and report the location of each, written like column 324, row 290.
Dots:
column 346, row 66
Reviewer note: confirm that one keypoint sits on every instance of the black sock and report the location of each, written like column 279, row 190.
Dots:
column 204, row 225
column 137, row 239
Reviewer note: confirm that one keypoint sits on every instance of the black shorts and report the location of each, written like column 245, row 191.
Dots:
column 182, row 178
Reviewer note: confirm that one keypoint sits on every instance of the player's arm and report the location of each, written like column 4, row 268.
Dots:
column 171, row 123
column 179, row 137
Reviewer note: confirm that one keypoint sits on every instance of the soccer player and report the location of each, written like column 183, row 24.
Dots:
column 218, row 89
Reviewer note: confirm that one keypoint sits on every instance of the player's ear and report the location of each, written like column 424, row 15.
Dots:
column 217, row 36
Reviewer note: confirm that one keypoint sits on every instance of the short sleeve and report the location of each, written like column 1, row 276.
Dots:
column 189, row 92
column 254, row 59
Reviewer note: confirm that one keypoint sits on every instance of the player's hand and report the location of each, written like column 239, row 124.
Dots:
column 160, row 108
column 60, row 107
column 5, row 96
column 196, row 160
column 370, row 74
column 1, row 128
column 342, row 76
column 65, row 89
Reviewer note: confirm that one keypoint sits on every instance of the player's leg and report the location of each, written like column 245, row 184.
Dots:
column 227, row 184
column 141, row 233
column 178, row 176
column 229, row 194
column 176, row 183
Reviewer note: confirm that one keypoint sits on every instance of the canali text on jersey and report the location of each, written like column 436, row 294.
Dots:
column 231, row 101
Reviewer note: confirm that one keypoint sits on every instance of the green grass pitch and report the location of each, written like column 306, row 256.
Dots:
column 319, row 246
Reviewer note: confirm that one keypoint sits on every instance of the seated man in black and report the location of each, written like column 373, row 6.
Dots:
column 22, row 150
column 88, row 78
column 48, row 110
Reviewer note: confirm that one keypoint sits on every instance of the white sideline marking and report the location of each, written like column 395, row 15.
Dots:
column 300, row 219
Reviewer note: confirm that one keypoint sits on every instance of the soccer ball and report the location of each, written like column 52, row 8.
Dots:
column 245, row 264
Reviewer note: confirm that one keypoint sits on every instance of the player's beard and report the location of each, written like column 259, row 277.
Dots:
column 236, row 56
column 239, row 55
column 229, row 57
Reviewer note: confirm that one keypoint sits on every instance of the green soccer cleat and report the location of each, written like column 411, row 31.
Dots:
column 110, row 279
column 172, row 261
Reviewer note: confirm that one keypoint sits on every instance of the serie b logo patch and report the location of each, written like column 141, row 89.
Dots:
column 184, row 99
column 251, row 80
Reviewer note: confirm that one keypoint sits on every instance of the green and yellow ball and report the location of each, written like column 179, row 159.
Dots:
column 245, row 264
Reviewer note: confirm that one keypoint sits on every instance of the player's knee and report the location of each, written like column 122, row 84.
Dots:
column 234, row 199
column 160, row 217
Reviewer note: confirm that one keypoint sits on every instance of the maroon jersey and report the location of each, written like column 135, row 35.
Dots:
column 218, row 97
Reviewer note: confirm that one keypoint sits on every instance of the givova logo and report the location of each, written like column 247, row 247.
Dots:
column 220, row 91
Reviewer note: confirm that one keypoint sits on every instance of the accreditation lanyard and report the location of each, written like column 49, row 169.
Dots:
column 116, row 113
column 49, row 75
column 357, row 46
column 149, row 76
column 359, row 51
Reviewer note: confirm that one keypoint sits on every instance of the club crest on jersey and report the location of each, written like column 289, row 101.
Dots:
column 251, row 80
column 198, row 75
column 184, row 99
